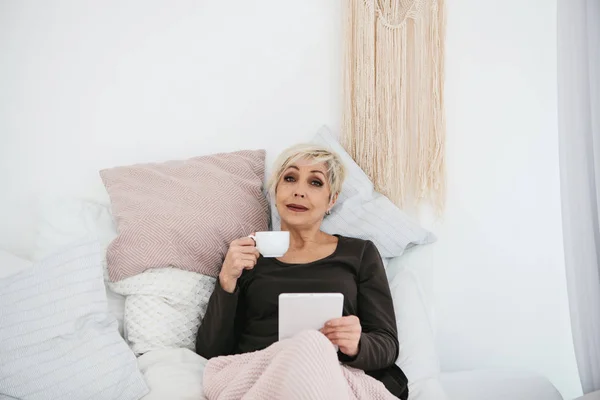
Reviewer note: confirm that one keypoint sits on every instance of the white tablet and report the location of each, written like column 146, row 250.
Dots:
column 302, row 311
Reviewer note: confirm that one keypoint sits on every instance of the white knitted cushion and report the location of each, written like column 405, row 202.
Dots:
column 164, row 307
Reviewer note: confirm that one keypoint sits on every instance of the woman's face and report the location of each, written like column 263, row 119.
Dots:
column 303, row 194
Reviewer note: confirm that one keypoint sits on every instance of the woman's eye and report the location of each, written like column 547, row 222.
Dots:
column 317, row 183
column 289, row 179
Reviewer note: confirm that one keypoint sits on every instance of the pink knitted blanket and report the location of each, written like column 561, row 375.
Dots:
column 304, row 367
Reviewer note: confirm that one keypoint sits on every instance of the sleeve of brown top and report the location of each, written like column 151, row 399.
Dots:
column 378, row 346
column 219, row 329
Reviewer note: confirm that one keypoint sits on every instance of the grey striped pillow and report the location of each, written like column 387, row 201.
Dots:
column 363, row 213
column 57, row 340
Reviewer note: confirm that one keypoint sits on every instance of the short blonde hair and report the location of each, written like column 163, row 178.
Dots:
column 336, row 172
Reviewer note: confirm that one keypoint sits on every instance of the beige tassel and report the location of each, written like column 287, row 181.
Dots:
column 393, row 123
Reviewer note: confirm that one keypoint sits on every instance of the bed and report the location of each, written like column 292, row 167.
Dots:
column 497, row 385
column 176, row 373
column 157, row 353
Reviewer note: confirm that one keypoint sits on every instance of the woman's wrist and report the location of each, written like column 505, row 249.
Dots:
column 227, row 285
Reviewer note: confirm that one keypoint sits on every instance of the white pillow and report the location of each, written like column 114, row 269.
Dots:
column 418, row 260
column 361, row 212
column 418, row 357
column 160, row 308
column 57, row 339
column 10, row 264
column 64, row 220
column 164, row 307
column 427, row 389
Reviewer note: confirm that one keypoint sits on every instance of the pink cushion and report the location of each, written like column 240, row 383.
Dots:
column 184, row 213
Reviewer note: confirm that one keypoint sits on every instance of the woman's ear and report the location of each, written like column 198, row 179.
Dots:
column 333, row 200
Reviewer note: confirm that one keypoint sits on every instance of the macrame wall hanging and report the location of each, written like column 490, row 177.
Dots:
column 393, row 123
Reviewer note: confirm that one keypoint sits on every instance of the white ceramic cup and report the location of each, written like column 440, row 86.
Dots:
column 273, row 243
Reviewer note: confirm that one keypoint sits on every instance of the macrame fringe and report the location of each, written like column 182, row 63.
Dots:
column 393, row 122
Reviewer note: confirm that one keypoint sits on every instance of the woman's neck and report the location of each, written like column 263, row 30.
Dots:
column 302, row 238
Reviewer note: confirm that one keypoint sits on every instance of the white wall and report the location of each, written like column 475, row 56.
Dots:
column 500, row 243
column 87, row 85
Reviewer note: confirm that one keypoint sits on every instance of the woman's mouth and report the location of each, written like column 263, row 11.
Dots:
column 296, row 208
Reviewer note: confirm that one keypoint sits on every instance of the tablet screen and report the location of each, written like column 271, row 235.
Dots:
column 307, row 311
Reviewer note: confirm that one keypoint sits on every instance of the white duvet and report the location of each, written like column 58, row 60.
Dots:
column 174, row 374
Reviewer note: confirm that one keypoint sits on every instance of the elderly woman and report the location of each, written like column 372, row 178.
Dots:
column 242, row 312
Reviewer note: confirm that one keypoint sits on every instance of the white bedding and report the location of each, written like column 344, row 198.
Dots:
column 177, row 373
column 174, row 374
column 497, row 385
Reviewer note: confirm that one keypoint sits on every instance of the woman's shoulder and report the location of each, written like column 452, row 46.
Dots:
column 354, row 240
column 362, row 253
column 355, row 245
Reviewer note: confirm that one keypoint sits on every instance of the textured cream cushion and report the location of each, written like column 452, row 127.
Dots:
column 184, row 213
column 164, row 308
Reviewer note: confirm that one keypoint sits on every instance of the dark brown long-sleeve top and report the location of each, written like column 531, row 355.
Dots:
column 247, row 319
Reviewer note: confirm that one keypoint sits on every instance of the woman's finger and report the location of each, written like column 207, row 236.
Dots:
column 244, row 259
column 342, row 336
column 344, row 345
column 248, row 250
column 343, row 321
column 345, row 328
column 244, row 242
column 247, row 258
column 350, row 328
column 337, row 322
column 249, row 264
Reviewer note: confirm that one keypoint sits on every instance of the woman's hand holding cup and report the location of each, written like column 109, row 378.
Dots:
column 242, row 254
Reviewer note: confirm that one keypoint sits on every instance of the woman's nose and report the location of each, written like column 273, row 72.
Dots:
column 298, row 195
